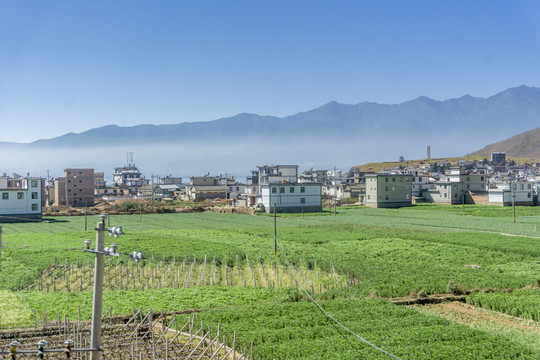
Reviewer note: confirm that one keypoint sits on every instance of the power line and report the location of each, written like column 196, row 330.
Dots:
column 330, row 316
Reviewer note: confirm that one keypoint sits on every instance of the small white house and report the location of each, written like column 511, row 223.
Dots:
column 522, row 193
column 20, row 198
column 291, row 197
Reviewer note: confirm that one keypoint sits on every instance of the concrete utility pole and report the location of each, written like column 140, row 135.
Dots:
column 98, row 290
column 275, row 231
column 513, row 200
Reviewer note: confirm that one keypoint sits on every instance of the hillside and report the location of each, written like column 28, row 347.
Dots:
column 379, row 166
column 526, row 144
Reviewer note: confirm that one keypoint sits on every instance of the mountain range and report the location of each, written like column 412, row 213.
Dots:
column 494, row 118
column 333, row 134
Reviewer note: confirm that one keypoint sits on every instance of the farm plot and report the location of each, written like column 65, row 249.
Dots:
column 189, row 272
column 298, row 331
column 384, row 254
column 521, row 303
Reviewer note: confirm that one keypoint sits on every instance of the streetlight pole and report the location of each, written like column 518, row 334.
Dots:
column 98, row 290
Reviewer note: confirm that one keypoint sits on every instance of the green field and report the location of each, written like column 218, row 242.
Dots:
column 373, row 254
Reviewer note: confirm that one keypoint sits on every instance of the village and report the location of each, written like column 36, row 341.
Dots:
column 280, row 188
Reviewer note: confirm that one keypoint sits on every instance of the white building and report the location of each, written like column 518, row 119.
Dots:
column 420, row 182
column 130, row 176
column 289, row 197
column 21, row 198
column 522, row 193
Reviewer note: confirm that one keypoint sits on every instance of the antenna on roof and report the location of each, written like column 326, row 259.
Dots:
column 129, row 158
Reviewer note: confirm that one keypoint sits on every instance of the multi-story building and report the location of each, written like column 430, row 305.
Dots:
column 272, row 174
column 21, row 198
column 279, row 187
column 291, row 197
column 498, row 157
column 131, row 176
column 75, row 188
column 388, row 190
column 444, row 192
column 468, row 181
column 99, row 180
column 420, row 182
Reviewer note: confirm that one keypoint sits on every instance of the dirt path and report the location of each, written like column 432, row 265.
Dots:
column 517, row 329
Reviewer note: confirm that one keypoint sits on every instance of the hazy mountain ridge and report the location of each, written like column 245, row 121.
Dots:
column 491, row 118
column 334, row 134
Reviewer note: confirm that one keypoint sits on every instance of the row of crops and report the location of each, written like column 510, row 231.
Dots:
column 521, row 303
column 188, row 273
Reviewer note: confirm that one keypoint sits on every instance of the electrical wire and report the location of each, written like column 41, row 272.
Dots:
column 330, row 316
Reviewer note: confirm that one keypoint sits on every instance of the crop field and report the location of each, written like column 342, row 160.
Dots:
column 350, row 263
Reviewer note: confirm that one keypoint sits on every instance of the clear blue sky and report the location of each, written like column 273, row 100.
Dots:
column 69, row 66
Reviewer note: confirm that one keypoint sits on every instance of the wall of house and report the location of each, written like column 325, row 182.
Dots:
column 23, row 203
column 79, row 189
column 387, row 191
column 292, row 197
column 503, row 197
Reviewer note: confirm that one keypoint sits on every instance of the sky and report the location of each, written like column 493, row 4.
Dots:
column 70, row 66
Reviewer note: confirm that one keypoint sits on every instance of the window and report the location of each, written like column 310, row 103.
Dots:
column 34, row 207
column 481, row 178
column 468, row 178
column 521, row 187
column 34, row 183
column 282, row 190
column 302, row 200
column 230, row 188
column 529, row 186
column 302, row 189
column 5, row 196
column 291, row 190
column 394, row 179
column 385, row 179
column 274, row 190
column 386, row 198
column 393, row 188
column 386, row 188
column 529, row 195
column 34, row 195
column 445, row 195
column 420, row 179
column 238, row 188
column 20, row 195
column 369, row 197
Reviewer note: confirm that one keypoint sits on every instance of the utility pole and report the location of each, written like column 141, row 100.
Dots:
column 0, row 247
column 98, row 290
column 66, row 190
column 335, row 190
column 275, row 231
column 512, row 188
column 152, row 192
